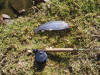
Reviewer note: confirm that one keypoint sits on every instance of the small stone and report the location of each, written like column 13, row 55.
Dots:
column 5, row 16
column 29, row 51
column 46, row 0
column 5, row 19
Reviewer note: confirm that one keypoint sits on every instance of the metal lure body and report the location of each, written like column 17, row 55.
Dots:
column 53, row 25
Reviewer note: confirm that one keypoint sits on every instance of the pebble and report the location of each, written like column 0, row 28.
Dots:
column 5, row 19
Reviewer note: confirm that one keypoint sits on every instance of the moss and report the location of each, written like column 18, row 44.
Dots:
column 19, row 36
